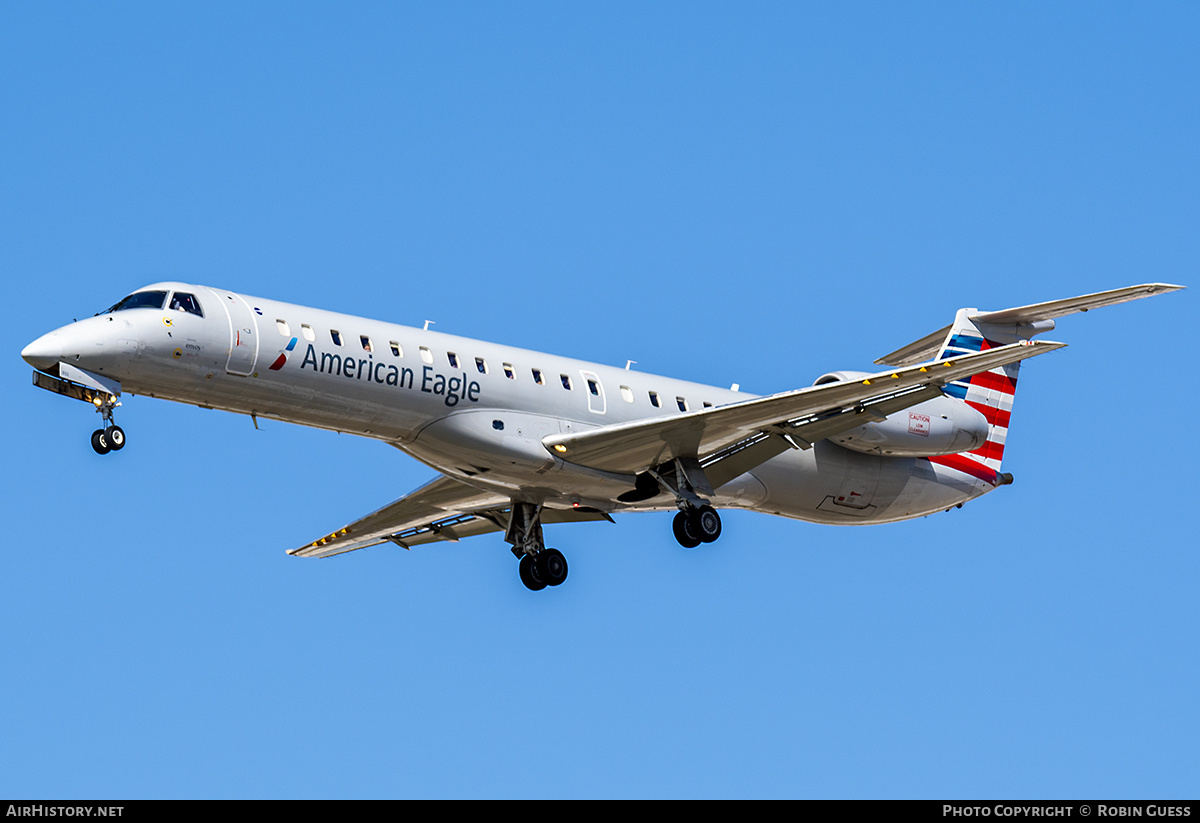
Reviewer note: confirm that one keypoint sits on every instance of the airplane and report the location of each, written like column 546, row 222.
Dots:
column 522, row 439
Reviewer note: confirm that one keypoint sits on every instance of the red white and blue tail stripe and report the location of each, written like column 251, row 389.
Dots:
column 990, row 393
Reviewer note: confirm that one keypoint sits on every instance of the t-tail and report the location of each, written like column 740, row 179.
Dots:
column 991, row 392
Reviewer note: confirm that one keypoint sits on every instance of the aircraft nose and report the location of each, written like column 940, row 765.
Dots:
column 43, row 352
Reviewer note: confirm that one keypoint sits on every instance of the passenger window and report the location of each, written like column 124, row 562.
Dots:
column 508, row 371
column 182, row 301
column 681, row 403
column 336, row 336
column 707, row 405
column 654, row 399
column 453, row 358
column 481, row 364
column 566, row 381
column 308, row 332
column 537, row 377
column 426, row 354
column 366, row 343
column 396, row 350
column 593, row 387
column 627, row 394
column 282, row 325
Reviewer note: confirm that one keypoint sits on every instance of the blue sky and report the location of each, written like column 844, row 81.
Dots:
column 753, row 194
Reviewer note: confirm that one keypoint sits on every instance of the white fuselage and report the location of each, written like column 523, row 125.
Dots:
column 473, row 410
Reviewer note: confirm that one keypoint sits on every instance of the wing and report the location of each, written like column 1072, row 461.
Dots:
column 418, row 516
column 443, row 509
column 799, row 417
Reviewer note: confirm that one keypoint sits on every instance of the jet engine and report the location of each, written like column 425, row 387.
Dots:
column 943, row 425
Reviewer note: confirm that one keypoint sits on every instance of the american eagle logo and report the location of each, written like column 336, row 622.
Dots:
column 278, row 364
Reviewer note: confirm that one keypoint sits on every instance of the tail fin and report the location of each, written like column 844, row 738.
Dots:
column 991, row 392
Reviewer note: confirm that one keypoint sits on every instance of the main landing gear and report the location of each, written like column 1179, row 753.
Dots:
column 111, row 437
column 546, row 568
column 697, row 521
column 539, row 567
column 695, row 525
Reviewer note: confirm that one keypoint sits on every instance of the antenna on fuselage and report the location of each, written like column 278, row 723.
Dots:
column 629, row 363
column 428, row 323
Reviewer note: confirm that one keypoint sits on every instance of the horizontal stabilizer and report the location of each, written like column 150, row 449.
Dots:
column 1061, row 308
column 929, row 345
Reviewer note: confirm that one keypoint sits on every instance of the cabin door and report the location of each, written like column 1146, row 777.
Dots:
column 243, row 335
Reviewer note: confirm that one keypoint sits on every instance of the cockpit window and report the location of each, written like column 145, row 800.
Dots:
column 182, row 301
column 141, row 300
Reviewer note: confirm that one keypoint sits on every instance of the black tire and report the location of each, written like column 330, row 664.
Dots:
column 685, row 531
column 708, row 523
column 115, row 436
column 99, row 443
column 553, row 566
column 532, row 581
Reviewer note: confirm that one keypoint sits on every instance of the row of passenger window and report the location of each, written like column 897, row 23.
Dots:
column 480, row 364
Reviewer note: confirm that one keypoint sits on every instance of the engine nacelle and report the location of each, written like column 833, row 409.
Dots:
column 840, row 377
column 943, row 425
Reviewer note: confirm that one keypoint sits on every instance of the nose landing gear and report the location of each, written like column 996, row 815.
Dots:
column 101, row 392
column 111, row 437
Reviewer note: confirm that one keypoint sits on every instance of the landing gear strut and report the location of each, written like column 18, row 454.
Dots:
column 112, row 436
column 697, row 521
column 539, row 567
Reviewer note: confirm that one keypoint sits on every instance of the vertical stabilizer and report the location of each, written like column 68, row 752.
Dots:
column 990, row 392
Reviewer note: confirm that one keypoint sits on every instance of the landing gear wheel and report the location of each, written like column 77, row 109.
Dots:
column 686, row 531
column 529, row 576
column 708, row 523
column 115, row 436
column 553, row 566
column 100, row 443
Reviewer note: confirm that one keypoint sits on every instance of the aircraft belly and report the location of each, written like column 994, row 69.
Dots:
column 744, row 492
column 481, row 441
column 502, row 450
column 832, row 485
